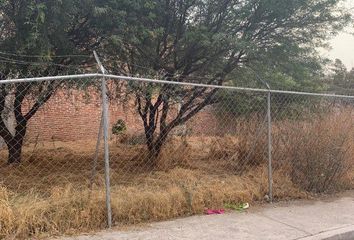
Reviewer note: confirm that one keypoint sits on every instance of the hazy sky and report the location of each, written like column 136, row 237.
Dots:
column 343, row 44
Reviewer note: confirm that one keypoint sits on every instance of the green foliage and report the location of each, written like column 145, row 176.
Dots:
column 47, row 29
column 340, row 80
column 298, row 72
column 240, row 103
column 200, row 36
column 119, row 127
column 222, row 40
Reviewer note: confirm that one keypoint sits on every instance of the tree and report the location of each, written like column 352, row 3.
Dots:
column 204, row 41
column 44, row 30
column 299, row 70
column 340, row 80
column 340, row 72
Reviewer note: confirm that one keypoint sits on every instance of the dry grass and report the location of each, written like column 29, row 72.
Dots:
column 317, row 154
column 164, row 195
column 48, row 193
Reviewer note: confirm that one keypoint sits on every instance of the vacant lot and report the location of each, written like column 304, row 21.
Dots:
column 56, row 190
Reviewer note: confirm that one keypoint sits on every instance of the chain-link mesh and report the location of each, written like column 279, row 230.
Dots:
column 48, row 134
column 165, row 127
column 44, row 134
column 313, row 142
column 175, row 149
column 35, row 119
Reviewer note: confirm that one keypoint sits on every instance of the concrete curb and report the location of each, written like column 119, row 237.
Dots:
column 346, row 233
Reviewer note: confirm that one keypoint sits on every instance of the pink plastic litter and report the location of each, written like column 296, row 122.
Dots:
column 214, row 211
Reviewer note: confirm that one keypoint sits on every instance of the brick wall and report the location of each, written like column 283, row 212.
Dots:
column 70, row 116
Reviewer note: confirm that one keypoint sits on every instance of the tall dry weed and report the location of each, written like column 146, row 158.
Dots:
column 317, row 153
column 163, row 195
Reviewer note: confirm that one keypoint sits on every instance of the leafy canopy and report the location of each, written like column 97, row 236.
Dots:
column 212, row 38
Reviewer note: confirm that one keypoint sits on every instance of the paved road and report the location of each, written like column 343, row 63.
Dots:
column 310, row 220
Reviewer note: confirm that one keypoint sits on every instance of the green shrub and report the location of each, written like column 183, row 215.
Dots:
column 119, row 127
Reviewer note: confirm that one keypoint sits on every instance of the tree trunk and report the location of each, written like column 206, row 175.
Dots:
column 15, row 145
column 152, row 158
column 15, row 150
column 151, row 161
column 15, row 141
column 155, row 148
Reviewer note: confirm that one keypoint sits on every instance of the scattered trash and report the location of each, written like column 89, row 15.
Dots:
column 237, row 207
column 246, row 206
column 214, row 211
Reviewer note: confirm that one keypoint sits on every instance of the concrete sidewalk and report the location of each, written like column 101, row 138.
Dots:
column 307, row 220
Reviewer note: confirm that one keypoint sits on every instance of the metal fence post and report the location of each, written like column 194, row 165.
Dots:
column 269, row 121
column 270, row 168
column 105, row 137
column 95, row 160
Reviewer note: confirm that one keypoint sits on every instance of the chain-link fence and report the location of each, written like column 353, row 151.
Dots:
column 157, row 149
column 313, row 141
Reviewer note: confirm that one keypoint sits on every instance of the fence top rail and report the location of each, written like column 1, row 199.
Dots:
column 50, row 78
column 225, row 87
column 127, row 78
